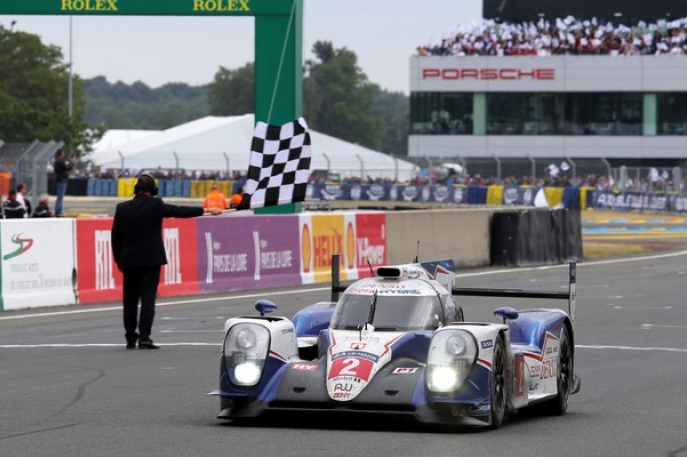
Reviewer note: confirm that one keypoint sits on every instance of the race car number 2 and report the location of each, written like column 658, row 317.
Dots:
column 349, row 366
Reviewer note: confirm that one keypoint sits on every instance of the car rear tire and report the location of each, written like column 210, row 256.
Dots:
column 559, row 405
column 498, row 384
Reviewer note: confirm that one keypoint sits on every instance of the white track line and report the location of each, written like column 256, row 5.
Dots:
column 631, row 348
column 179, row 302
column 95, row 345
column 262, row 294
column 105, row 345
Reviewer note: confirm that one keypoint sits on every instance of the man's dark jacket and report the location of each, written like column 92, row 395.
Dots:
column 137, row 230
column 62, row 168
column 13, row 209
column 41, row 210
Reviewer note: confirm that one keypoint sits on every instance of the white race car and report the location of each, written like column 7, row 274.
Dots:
column 398, row 343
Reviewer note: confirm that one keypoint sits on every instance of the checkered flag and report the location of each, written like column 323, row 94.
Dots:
column 279, row 165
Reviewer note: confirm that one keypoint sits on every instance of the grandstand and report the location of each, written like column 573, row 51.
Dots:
column 548, row 90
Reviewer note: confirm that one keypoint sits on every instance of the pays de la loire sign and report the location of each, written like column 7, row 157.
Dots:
column 148, row 7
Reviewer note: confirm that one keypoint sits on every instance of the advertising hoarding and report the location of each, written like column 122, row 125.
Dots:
column 38, row 264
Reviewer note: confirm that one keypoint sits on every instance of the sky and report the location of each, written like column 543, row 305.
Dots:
column 157, row 50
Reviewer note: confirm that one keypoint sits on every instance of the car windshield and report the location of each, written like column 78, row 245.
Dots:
column 392, row 313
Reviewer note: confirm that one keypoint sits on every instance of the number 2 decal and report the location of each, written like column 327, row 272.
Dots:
column 350, row 366
column 350, row 370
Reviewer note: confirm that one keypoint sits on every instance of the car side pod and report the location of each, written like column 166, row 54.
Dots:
column 265, row 306
column 506, row 313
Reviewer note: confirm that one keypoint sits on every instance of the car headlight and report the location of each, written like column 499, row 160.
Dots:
column 456, row 344
column 245, row 338
column 443, row 378
column 247, row 373
column 451, row 357
column 246, row 348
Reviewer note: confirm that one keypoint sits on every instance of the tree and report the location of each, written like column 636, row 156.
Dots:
column 394, row 108
column 137, row 106
column 34, row 94
column 232, row 91
column 338, row 99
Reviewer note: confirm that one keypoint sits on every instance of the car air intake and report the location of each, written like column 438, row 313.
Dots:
column 389, row 272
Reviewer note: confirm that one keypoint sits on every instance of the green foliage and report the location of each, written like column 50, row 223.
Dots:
column 394, row 109
column 338, row 99
column 137, row 106
column 232, row 91
column 34, row 94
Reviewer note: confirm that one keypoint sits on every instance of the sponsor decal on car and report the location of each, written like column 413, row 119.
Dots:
column 350, row 366
column 304, row 366
column 401, row 370
column 487, row 344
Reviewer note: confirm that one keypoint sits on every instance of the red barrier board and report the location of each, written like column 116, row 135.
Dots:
column 370, row 241
column 98, row 278
column 180, row 275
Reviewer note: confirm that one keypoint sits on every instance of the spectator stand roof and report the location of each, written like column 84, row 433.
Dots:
column 223, row 144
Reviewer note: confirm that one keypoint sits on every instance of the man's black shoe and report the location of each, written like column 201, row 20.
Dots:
column 131, row 345
column 147, row 345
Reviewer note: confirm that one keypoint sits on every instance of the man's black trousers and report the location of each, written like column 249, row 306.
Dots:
column 140, row 283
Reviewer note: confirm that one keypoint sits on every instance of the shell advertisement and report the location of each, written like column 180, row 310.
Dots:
column 360, row 239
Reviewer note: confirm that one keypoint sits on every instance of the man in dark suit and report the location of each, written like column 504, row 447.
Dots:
column 139, row 252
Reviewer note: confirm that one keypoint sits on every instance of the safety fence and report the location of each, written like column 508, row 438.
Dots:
column 570, row 197
column 124, row 187
column 53, row 262
column 642, row 202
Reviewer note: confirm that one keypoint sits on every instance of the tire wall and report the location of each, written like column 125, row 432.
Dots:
column 535, row 237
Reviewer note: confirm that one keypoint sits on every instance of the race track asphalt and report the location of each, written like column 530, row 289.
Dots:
column 69, row 388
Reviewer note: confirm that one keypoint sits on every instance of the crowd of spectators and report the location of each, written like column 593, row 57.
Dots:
column 562, row 36
column 158, row 173
column 651, row 180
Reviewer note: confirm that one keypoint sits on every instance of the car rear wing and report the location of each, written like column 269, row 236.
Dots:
column 571, row 295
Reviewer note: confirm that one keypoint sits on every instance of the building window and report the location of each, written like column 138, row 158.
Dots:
column 672, row 113
column 518, row 113
column 441, row 113
column 564, row 114
column 602, row 114
column 523, row 114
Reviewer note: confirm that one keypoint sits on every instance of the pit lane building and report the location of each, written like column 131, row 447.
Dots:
column 621, row 109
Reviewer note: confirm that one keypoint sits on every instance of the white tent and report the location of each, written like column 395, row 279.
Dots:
column 223, row 143
column 116, row 138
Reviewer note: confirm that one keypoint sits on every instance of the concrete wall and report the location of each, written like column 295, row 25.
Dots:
column 461, row 235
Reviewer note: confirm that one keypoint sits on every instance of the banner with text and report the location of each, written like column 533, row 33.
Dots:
column 99, row 279
column 247, row 252
column 37, row 263
column 356, row 237
column 180, row 275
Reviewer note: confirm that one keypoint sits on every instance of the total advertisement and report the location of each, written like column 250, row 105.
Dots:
column 370, row 241
column 247, row 252
column 37, row 263
column 356, row 238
